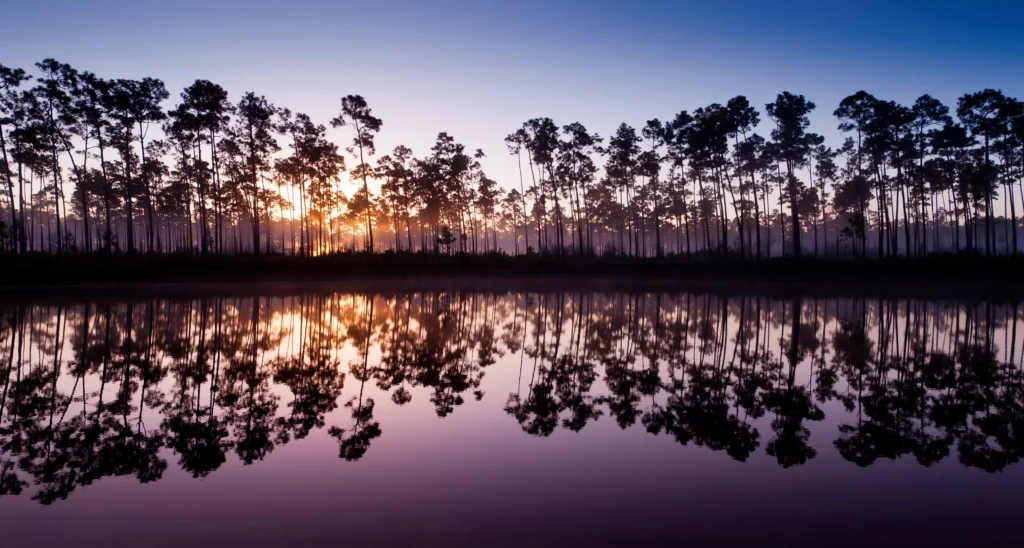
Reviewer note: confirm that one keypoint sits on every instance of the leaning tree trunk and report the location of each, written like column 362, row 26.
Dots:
column 10, row 192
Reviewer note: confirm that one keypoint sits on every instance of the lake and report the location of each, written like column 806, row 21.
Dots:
column 528, row 417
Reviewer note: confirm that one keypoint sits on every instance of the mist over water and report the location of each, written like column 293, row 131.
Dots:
column 467, row 417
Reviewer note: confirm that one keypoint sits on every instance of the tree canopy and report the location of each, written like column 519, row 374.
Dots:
column 109, row 166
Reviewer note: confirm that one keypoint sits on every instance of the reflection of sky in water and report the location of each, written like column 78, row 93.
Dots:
column 475, row 476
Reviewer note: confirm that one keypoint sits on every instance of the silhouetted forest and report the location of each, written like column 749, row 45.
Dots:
column 115, row 388
column 92, row 164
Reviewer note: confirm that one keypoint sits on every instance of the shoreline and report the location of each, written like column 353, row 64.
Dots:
column 938, row 276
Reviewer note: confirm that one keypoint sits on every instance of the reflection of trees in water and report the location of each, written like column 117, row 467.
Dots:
column 97, row 390
column 47, row 427
column 355, row 443
column 561, row 374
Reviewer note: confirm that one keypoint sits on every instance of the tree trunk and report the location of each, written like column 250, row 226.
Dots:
column 795, row 212
column 10, row 192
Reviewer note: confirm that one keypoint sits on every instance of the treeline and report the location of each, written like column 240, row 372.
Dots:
column 107, row 165
column 120, row 388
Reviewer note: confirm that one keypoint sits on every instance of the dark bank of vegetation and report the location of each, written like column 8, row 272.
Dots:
column 96, row 165
column 968, row 272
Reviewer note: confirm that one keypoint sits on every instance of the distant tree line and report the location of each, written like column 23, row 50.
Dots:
column 84, row 171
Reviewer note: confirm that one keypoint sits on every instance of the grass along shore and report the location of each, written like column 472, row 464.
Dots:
column 43, row 270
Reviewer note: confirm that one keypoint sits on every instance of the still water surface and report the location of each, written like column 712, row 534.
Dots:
column 443, row 418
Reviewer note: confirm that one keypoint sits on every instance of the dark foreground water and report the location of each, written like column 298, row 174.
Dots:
column 510, row 419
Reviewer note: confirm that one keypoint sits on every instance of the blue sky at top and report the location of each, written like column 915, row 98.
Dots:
column 478, row 69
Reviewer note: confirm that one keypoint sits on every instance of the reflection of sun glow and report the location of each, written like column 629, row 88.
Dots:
column 438, row 345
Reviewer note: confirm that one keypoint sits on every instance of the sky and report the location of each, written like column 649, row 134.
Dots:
column 479, row 69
